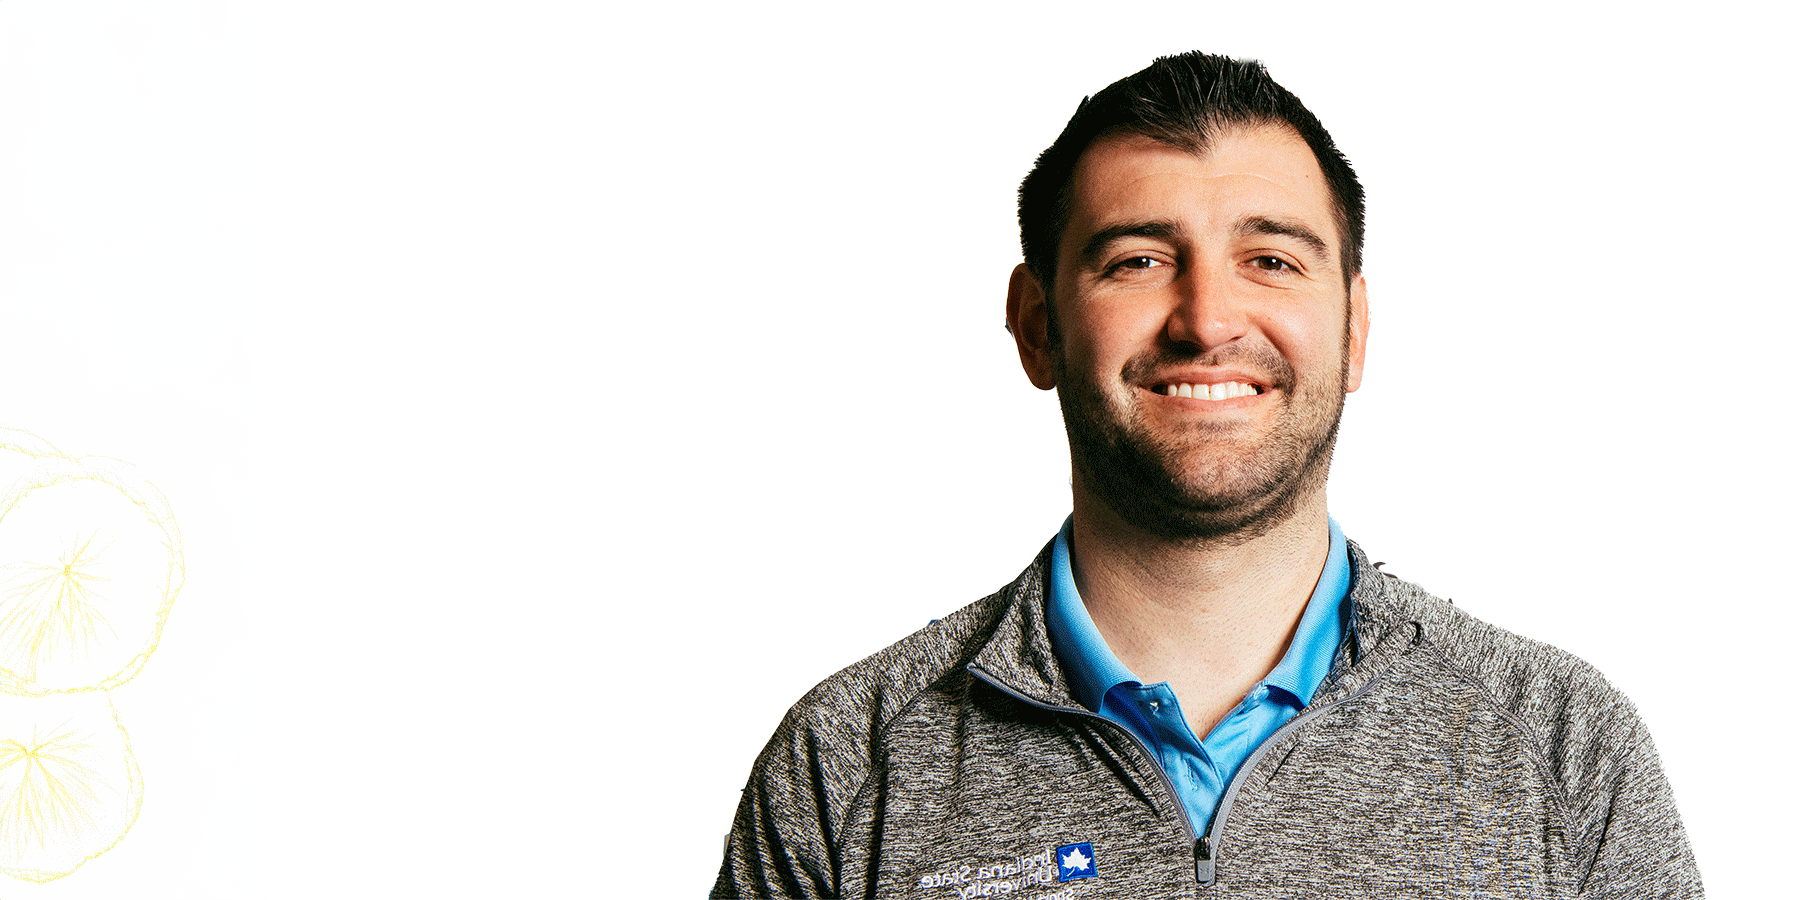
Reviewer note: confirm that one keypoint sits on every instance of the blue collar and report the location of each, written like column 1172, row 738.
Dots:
column 1093, row 669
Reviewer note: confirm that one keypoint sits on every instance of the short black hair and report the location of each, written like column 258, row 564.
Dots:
column 1183, row 101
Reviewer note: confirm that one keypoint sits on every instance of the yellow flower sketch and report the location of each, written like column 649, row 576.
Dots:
column 90, row 562
column 69, row 787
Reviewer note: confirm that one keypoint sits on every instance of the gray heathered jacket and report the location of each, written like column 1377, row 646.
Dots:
column 1443, row 757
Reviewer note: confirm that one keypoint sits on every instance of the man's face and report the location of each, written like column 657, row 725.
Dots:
column 1204, row 337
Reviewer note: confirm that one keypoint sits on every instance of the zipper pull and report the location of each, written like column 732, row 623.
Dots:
column 1203, row 861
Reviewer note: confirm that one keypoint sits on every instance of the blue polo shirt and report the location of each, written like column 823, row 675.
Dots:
column 1200, row 769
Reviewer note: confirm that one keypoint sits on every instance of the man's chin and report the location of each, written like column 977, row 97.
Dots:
column 1209, row 507
column 1212, row 519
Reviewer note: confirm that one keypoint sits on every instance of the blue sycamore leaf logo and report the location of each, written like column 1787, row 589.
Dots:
column 1075, row 861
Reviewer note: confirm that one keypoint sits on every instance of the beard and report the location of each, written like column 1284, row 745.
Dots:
column 1213, row 483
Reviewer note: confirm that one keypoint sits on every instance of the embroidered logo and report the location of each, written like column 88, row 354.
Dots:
column 1032, row 876
column 1075, row 861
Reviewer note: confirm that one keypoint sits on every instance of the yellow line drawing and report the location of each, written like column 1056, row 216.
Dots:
column 69, row 786
column 54, row 606
column 90, row 563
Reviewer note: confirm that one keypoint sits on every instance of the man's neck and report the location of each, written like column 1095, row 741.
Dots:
column 1210, row 619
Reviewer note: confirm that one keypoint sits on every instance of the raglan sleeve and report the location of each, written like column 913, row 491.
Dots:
column 1634, row 836
column 781, row 842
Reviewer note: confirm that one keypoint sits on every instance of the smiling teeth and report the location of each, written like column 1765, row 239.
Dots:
column 1225, row 391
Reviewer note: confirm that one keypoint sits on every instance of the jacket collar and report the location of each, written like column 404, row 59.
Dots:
column 1017, row 654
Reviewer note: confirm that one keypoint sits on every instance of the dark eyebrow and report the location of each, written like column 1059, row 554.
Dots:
column 1255, row 225
column 1160, row 229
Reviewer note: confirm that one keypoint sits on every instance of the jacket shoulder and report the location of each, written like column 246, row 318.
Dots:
column 813, row 767
column 849, row 709
column 789, row 829
column 1557, row 697
column 1623, row 826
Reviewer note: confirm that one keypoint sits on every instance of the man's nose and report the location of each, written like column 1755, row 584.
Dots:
column 1206, row 313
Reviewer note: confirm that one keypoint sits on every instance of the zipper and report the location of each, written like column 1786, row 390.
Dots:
column 1205, row 845
column 1205, row 848
column 1202, row 855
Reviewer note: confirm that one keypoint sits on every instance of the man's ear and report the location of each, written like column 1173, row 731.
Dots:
column 1358, row 338
column 1028, row 318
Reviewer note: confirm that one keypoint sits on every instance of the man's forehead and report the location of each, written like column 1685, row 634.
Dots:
column 1242, row 169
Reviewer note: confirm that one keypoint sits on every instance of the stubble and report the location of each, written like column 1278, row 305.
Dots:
column 1210, row 483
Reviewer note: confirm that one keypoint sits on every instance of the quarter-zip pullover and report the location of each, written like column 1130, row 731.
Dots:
column 1441, row 757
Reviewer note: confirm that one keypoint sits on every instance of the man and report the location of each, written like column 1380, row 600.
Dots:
column 1200, row 687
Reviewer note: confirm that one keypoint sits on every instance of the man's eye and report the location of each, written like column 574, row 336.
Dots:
column 1140, row 262
column 1272, row 264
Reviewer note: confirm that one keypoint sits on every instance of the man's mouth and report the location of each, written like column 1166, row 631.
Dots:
column 1224, row 390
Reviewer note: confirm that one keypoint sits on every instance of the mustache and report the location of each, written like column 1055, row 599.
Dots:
column 1260, row 359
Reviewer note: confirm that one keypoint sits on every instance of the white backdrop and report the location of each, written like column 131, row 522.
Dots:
column 550, row 393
